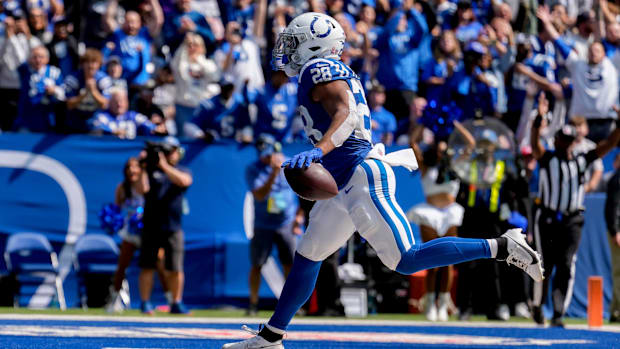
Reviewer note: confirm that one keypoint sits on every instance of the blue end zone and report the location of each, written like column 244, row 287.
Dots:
column 21, row 332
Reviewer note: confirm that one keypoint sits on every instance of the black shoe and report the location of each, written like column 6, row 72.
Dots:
column 557, row 322
column 465, row 314
column 537, row 315
column 614, row 318
column 252, row 310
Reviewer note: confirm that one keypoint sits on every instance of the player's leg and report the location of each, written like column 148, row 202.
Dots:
column 329, row 228
column 383, row 224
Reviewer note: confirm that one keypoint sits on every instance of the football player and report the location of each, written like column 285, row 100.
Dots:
column 337, row 121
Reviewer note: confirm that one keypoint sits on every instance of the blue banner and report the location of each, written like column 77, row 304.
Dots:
column 56, row 185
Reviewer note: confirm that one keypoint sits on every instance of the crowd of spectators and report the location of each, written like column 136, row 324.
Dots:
column 200, row 68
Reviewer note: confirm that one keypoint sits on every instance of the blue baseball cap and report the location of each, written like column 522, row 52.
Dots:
column 267, row 145
column 171, row 142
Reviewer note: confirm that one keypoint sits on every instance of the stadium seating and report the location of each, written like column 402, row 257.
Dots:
column 30, row 257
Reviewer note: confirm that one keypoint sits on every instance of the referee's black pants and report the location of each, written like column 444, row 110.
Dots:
column 557, row 238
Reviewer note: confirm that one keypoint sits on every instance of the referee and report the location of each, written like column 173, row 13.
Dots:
column 559, row 210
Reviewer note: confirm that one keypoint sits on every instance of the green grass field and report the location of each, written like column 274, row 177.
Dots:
column 226, row 313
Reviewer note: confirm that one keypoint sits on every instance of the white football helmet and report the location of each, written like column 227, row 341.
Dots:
column 309, row 35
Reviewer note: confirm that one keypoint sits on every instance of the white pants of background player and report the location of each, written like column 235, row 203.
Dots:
column 367, row 205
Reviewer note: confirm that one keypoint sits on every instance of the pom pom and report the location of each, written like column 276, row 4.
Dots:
column 135, row 224
column 111, row 218
column 439, row 118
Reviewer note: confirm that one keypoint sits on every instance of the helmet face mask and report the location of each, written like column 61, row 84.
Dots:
column 310, row 35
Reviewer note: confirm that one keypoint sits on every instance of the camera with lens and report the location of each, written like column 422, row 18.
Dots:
column 152, row 150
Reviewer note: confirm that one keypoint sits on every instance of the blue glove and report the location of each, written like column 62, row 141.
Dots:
column 304, row 159
column 518, row 221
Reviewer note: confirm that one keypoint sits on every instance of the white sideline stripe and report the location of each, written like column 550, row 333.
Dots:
column 318, row 322
column 201, row 333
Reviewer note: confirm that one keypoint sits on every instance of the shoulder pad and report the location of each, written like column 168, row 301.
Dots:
column 321, row 70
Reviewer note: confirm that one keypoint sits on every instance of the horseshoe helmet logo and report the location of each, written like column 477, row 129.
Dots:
column 314, row 31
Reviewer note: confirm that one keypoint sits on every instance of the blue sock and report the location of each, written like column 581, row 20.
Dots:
column 297, row 289
column 441, row 252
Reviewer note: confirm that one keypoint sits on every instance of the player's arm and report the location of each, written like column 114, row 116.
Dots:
column 334, row 99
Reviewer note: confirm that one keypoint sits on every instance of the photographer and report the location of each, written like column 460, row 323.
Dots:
column 163, row 208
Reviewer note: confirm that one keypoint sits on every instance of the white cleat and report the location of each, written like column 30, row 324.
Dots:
column 522, row 256
column 256, row 342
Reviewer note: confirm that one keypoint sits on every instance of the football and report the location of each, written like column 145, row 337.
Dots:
column 313, row 183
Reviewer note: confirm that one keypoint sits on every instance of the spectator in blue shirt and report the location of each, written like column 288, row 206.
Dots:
column 398, row 62
column 114, row 69
column 383, row 122
column 87, row 90
column 184, row 20
column 612, row 39
column 63, row 48
column 224, row 116
column 277, row 218
column 468, row 87
column 39, row 94
column 276, row 105
column 447, row 60
column 465, row 25
column 118, row 120
column 132, row 42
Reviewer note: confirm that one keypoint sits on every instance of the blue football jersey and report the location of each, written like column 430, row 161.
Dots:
column 275, row 110
column 224, row 119
column 517, row 88
column 342, row 161
column 131, row 123
column 134, row 52
column 36, row 108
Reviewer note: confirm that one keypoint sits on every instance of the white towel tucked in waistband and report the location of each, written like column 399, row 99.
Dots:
column 404, row 157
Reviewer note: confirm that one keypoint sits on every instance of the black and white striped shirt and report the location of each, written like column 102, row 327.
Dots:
column 561, row 181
